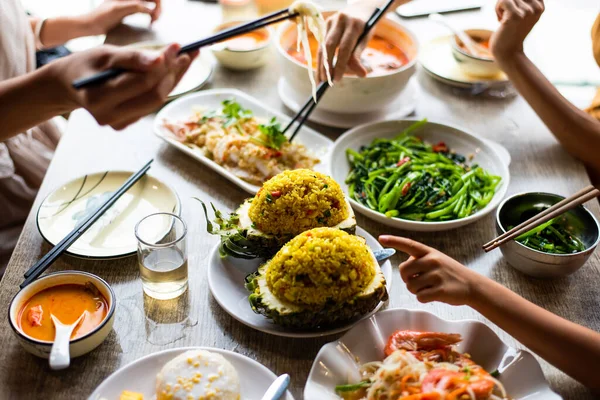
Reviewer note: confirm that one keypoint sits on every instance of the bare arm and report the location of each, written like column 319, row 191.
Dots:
column 433, row 276
column 578, row 132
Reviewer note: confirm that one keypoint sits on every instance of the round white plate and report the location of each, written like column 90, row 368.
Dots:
column 140, row 375
column 183, row 107
column 336, row 362
column 490, row 156
column 226, row 283
column 404, row 105
column 437, row 60
column 197, row 75
column 112, row 236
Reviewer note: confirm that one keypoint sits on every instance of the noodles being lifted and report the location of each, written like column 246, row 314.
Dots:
column 311, row 19
column 423, row 366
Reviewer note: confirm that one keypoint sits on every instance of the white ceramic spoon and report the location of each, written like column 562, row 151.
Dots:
column 466, row 39
column 59, row 355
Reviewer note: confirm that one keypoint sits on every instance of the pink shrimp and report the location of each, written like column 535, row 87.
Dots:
column 420, row 341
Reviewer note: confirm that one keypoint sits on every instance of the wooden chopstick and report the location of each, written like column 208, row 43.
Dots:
column 219, row 37
column 36, row 270
column 555, row 211
column 311, row 103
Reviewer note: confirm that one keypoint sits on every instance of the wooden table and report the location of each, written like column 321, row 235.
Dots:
column 144, row 326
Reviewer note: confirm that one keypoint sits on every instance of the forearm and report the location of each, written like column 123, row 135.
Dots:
column 59, row 30
column 571, row 348
column 28, row 100
column 575, row 130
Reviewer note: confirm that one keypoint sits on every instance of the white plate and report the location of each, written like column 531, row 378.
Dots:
column 437, row 60
column 112, row 236
column 402, row 106
column 140, row 375
column 197, row 75
column 336, row 362
column 182, row 108
column 491, row 156
column 226, row 283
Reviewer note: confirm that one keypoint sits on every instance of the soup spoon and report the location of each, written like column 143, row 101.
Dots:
column 60, row 357
column 469, row 43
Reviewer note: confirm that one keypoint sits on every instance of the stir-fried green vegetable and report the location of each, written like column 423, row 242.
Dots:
column 352, row 387
column 551, row 237
column 407, row 178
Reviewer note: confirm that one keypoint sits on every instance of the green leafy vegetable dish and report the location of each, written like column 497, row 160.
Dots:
column 551, row 237
column 407, row 178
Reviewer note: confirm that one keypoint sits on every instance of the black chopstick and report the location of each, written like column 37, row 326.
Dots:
column 34, row 272
column 311, row 104
column 103, row 76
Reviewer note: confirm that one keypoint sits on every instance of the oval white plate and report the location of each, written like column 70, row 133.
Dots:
column 140, row 375
column 112, row 236
column 491, row 156
column 336, row 362
column 182, row 108
column 226, row 283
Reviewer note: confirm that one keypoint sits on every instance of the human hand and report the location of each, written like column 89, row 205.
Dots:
column 517, row 18
column 433, row 276
column 128, row 97
column 110, row 13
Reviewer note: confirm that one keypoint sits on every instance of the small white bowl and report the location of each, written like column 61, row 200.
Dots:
column 352, row 94
column 242, row 60
column 78, row 346
column 481, row 67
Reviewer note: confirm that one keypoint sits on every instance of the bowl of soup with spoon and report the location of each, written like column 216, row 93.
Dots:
column 390, row 57
column 65, row 295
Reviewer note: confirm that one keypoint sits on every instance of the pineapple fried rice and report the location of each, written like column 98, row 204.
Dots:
column 295, row 201
column 319, row 266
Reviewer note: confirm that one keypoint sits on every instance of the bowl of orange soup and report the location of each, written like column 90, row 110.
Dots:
column 244, row 52
column 66, row 295
column 390, row 57
column 482, row 65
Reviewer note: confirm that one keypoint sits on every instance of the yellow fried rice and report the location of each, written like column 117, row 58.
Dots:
column 319, row 266
column 295, row 201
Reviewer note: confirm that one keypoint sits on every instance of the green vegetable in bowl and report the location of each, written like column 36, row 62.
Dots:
column 551, row 237
column 408, row 178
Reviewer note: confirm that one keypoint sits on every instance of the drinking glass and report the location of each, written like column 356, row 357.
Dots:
column 162, row 255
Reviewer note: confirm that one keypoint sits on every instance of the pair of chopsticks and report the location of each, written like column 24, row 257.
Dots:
column 311, row 104
column 34, row 272
column 583, row 196
column 273, row 18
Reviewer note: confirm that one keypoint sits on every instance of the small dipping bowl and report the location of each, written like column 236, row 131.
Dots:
column 78, row 346
column 238, row 59
column 481, row 67
column 579, row 221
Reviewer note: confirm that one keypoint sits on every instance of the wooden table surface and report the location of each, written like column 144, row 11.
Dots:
column 143, row 326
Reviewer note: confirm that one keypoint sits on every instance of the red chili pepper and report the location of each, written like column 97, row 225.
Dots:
column 276, row 193
column 440, row 148
column 335, row 204
column 309, row 212
column 406, row 188
column 403, row 161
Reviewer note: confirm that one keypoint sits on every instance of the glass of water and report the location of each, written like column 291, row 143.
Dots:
column 162, row 255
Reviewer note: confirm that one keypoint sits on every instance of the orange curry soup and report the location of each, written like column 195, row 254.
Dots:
column 248, row 41
column 380, row 57
column 67, row 303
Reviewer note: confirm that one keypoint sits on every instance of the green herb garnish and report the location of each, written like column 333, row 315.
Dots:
column 353, row 387
column 271, row 135
column 234, row 113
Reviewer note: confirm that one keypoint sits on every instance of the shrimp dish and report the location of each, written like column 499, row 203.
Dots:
column 252, row 149
column 424, row 366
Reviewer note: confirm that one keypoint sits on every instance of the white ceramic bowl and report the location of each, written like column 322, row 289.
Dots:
column 242, row 60
column 489, row 155
column 352, row 94
column 78, row 346
column 336, row 362
column 480, row 67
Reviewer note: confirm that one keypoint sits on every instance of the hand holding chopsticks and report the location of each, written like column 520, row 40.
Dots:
column 556, row 210
column 224, row 35
column 311, row 104
column 34, row 272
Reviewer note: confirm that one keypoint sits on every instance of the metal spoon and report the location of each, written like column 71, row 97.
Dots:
column 466, row 39
column 277, row 388
column 59, row 355
column 384, row 254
